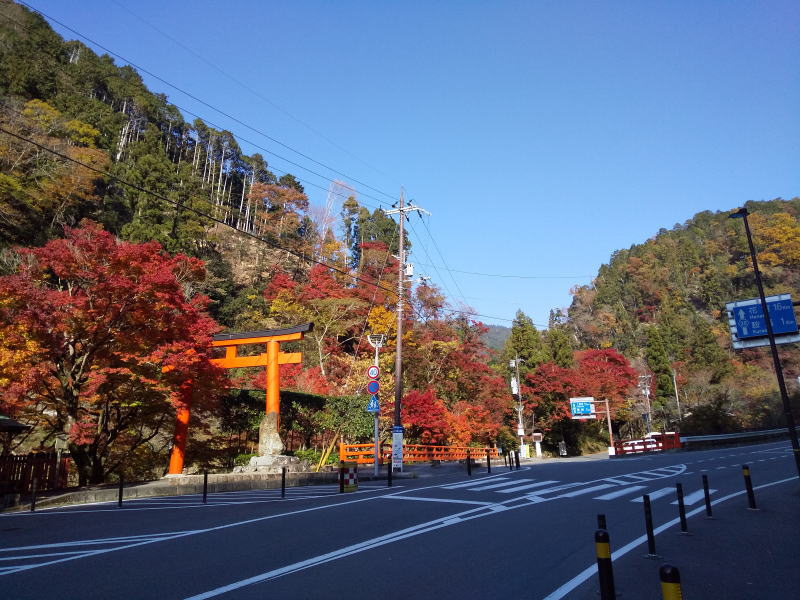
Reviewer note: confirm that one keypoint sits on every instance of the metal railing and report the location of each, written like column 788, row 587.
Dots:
column 364, row 453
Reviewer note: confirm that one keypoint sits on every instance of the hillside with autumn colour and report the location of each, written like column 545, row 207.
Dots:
column 129, row 236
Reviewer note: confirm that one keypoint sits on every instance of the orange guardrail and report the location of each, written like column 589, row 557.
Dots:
column 364, row 453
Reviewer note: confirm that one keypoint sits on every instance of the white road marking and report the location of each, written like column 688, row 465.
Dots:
column 656, row 495
column 496, row 485
column 454, row 486
column 694, row 497
column 588, row 490
column 622, row 492
column 533, row 485
column 591, row 570
column 446, row 500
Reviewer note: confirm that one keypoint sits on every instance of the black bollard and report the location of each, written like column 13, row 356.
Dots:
column 488, row 462
column 748, row 484
column 670, row 583
column 681, row 507
column 648, row 524
column 605, row 572
column 389, row 474
column 707, row 496
column 205, row 486
column 341, row 478
column 516, row 458
column 469, row 465
column 34, row 486
column 121, row 485
column 601, row 521
column 283, row 482
column 510, row 462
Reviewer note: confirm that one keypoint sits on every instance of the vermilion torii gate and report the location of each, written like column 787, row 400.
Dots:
column 269, row 441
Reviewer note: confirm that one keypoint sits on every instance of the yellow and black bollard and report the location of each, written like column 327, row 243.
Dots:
column 605, row 572
column 670, row 583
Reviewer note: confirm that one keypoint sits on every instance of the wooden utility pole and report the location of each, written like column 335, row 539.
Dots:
column 397, row 430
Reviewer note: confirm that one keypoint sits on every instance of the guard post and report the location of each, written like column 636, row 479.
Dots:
column 349, row 477
column 605, row 572
column 670, row 583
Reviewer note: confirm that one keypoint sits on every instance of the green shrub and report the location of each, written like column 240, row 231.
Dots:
column 243, row 459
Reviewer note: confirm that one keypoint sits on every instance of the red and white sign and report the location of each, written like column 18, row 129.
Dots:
column 373, row 372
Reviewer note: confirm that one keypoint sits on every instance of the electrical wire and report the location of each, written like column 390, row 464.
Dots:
column 207, row 104
column 243, row 85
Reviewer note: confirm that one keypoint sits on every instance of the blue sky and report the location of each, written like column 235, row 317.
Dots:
column 542, row 136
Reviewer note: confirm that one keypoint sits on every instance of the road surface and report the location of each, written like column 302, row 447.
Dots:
column 525, row 533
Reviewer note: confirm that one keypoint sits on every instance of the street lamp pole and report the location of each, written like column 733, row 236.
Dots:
column 520, row 425
column 776, row 360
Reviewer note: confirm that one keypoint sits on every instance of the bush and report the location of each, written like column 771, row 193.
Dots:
column 243, row 459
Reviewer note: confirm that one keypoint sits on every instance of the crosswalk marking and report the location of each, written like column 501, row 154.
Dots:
column 588, row 490
column 530, row 486
column 469, row 483
column 694, row 497
column 622, row 492
column 503, row 484
column 657, row 494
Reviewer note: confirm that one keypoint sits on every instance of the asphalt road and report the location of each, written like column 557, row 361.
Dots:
column 527, row 533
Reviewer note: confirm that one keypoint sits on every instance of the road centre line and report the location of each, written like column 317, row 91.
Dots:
column 573, row 583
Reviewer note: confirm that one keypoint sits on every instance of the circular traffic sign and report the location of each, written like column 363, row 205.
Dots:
column 373, row 372
column 373, row 387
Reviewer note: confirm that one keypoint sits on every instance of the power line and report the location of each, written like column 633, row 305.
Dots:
column 204, row 103
column 248, row 88
column 514, row 276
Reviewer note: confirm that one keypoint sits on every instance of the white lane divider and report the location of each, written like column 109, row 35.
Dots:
column 496, row 485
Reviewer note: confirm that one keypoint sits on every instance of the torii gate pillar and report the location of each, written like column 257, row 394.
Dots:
column 269, row 441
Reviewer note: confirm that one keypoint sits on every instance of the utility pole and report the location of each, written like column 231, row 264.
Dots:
column 677, row 400
column 520, row 427
column 776, row 360
column 644, row 386
column 397, row 430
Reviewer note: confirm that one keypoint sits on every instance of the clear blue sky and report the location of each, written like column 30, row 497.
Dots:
column 542, row 136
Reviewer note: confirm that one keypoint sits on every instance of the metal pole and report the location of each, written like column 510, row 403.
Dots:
column 377, row 470
column 681, row 507
column 283, row 482
column 748, row 484
column 469, row 465
column 608, row 419
column 787, row 409
column 34, row 485
column 121, row 485
column 205, row 486
column 707, row 496
column 648, row 524
column 488, row 461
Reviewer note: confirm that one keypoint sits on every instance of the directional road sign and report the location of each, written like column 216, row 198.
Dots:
column 373, row 372
column 372, row 405
column 582, row 408
column 748, row 326
column 373, row 387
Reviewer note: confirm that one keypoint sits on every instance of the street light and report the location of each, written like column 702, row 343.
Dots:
column 787, row 409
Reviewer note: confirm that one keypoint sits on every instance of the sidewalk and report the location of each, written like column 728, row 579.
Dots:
column 738, row 554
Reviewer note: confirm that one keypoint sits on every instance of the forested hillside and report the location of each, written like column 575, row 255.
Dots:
column 662, row 303
column 83, row 139
column 111, row 201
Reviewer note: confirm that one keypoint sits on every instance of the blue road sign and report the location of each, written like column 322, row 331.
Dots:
column 750, row 320
column 373, row 387
column 397, row 429
column 581, row 406
column 372, row 405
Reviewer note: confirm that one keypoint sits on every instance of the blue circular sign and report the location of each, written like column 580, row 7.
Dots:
column 373, row 387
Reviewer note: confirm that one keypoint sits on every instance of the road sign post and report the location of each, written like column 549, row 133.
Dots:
column 373, row 372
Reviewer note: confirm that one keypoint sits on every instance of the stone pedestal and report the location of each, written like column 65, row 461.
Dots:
column 269, row 441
